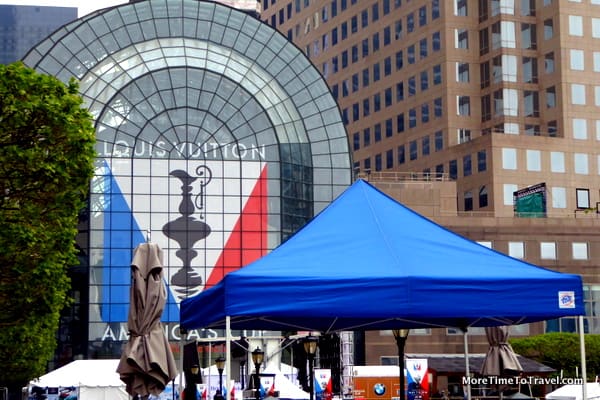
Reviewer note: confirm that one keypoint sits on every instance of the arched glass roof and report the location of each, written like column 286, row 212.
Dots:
column 187, row 71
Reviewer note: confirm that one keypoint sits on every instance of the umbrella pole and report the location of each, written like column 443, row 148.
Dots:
column 467, row 372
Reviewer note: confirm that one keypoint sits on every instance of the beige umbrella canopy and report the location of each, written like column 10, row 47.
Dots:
column 147, row 363
column 500, row 359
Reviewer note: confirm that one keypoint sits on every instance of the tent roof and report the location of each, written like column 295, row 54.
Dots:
column 78, row 373
column 575, row 392
column 368, row 262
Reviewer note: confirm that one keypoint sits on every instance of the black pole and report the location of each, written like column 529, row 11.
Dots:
column 220, row 381
column 257, row 383
column 400, row 342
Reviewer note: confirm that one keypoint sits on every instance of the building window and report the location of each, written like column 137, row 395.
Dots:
column 580, row 128
column 481, row 161
column 559, row 197
column 401, row 155
column 583, row 198
column 548, row 250
column 453, row 169
column 484, row 41
column 576, row 60
column 549, row 63
column 486, row 108
column 483, row 197
column 557, row 161
column 578, row 94
column 467, row 168
column 484, row 74
column 438, row 109
column 531, row 103
column 464, row 105
column 468, row 200
column 516, row 249
column 509, row 190
column 424, row 113
column 412, row 86
column 367, row 137
column 425, row 146
column 548, row 29
column 483, row 10
column 412, row 118
column 400, row 123
column 410, row 54
column 580, row 250
column 462, row 39
column 389, row 159
column 424, row 80
column 534, row 160
column 413, row 150
column 528, row 7
column 460, row 8
column 423, row 16
column 528, row 36
column 530, row 70
column 551, row 97
column 378, row 162
column 462, row 72
column 509, row 158
column 436, row 41
column 437, row 74
column 552, row 129
column 422, row 48
column 439, row 141
column 581, row 163
column 464, row 135
column 575, row 25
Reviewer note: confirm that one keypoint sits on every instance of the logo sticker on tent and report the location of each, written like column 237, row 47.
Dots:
column 566, row 299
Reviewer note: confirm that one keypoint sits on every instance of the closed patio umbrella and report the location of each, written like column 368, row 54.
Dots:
column 147, row 363
column 500, row 359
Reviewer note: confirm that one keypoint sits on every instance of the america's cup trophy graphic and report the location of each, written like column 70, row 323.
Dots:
column 187, row 230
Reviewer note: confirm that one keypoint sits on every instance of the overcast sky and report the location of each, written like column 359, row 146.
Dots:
column 84, row 7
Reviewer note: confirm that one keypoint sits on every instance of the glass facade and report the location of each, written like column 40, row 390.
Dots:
column 216, row 139
column 22, row 27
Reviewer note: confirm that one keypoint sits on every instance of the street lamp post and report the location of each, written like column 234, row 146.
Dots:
column 257, row 358
column 310, row 347
column 220, row 363
column 401, row 335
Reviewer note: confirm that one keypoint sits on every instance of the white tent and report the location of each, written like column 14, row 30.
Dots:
column 95, row 379
column 575, row 392
column 285, row 387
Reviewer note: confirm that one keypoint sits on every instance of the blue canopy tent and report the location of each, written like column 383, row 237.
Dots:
column 367, row 262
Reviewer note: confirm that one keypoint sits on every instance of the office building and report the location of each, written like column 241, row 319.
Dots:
column 22, row 27
column 481, row 115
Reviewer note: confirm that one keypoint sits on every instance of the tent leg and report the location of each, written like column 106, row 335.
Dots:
column 583, row 361
column 467, row 372
column 228, row 358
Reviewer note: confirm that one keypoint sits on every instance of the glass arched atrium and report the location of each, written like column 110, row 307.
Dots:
column 216, row 138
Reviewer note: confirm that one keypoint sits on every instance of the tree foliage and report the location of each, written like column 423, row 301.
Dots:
column 46, row 163
column 561, row 351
